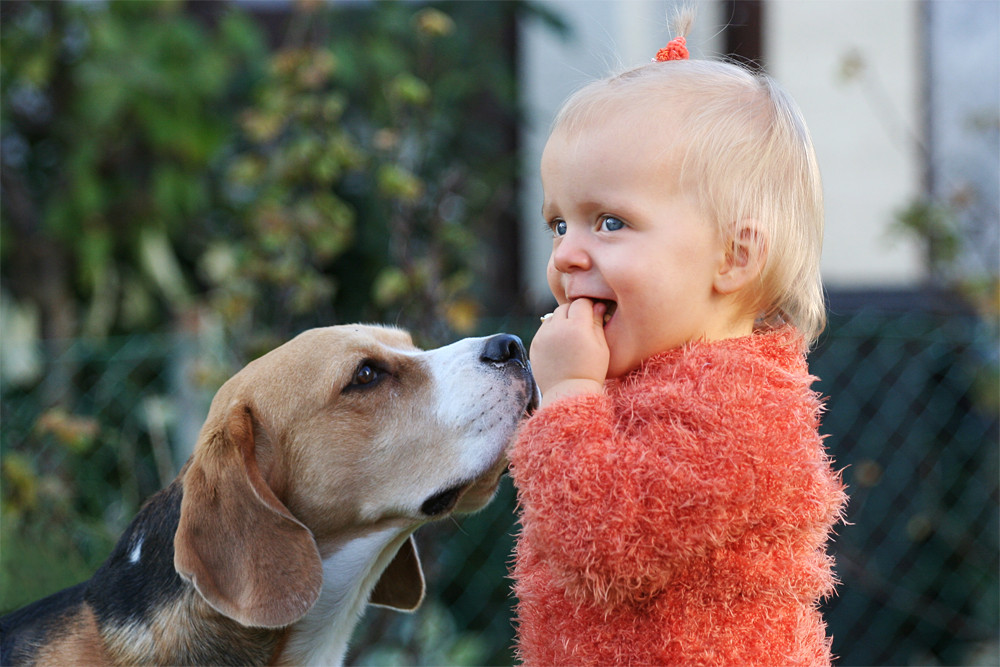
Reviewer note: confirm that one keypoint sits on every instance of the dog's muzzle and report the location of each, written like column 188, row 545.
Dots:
column 506, row 349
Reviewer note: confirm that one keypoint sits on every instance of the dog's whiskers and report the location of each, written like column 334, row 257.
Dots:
column 454, row 520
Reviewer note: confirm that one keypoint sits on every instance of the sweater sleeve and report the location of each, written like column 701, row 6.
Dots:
column 616, row 506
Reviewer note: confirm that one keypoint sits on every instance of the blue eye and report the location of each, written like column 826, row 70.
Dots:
column 558, row 227
column 609, row 223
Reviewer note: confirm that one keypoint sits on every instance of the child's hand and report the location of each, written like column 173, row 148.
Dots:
column 569, row 354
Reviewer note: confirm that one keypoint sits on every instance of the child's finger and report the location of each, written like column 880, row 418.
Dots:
column 559, row 314
column 580, row 308
column 585, row 308
column 599, row 309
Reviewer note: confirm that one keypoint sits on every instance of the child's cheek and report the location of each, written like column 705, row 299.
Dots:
column 555, row 282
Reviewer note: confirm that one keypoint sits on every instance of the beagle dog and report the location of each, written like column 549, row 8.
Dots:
column 314, row 467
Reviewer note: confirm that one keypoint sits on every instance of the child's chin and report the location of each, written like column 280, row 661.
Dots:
column 620, row 367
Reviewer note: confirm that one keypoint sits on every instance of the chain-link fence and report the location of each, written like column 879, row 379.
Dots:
column 911, row 417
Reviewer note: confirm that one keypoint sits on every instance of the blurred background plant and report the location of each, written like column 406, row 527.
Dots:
column 345, row 190
column 365, row 192
column 225, row 175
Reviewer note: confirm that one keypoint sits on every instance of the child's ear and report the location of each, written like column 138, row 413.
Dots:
column 744, row 259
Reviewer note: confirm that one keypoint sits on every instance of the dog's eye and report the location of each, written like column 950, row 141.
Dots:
column 367, row 375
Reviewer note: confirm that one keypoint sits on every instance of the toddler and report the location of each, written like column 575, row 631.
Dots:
column 675, row 494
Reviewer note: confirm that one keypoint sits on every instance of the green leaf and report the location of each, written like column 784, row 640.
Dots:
column 396, row 182
column 390, row 285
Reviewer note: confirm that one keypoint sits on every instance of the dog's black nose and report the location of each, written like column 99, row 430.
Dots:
column 503, row 349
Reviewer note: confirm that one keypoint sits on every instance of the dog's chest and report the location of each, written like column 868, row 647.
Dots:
column 349, row 574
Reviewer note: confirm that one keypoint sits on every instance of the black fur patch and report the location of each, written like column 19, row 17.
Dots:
column 123, row 591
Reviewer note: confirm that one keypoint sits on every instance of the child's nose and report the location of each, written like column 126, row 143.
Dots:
column 571, row 253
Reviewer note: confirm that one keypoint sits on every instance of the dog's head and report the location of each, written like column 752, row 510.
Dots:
column 342, row 433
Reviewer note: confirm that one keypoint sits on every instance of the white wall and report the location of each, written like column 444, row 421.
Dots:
column 861, row 128
column 865, row 128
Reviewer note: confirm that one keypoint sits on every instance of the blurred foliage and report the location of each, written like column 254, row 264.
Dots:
column 431, row 637
column 236, row 172
column 363, row 189
column 168, row 163
column 73, row 475
column 114, row 116
column 939, row 227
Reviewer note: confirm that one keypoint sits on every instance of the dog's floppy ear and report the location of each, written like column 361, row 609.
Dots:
column 401, row 585
column 236, row 542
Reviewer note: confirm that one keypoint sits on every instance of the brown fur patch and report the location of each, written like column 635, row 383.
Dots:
column 79, row 643
column 167, row 638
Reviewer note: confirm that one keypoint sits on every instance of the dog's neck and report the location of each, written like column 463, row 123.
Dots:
column 147, row 614
column 144, row 557
column 350, row 573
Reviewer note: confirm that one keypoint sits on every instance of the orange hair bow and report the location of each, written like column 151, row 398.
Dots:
column 676, row 49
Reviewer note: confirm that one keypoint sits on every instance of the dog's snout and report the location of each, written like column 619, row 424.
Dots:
column 504, row 349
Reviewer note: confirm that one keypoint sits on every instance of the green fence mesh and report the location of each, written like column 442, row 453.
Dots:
column 912, row 411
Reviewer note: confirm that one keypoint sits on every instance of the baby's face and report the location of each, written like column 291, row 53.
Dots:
column 623, row 236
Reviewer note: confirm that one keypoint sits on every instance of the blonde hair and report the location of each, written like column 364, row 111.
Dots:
column 746, row 154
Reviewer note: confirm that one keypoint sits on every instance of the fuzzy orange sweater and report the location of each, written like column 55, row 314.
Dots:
column 681, row 517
